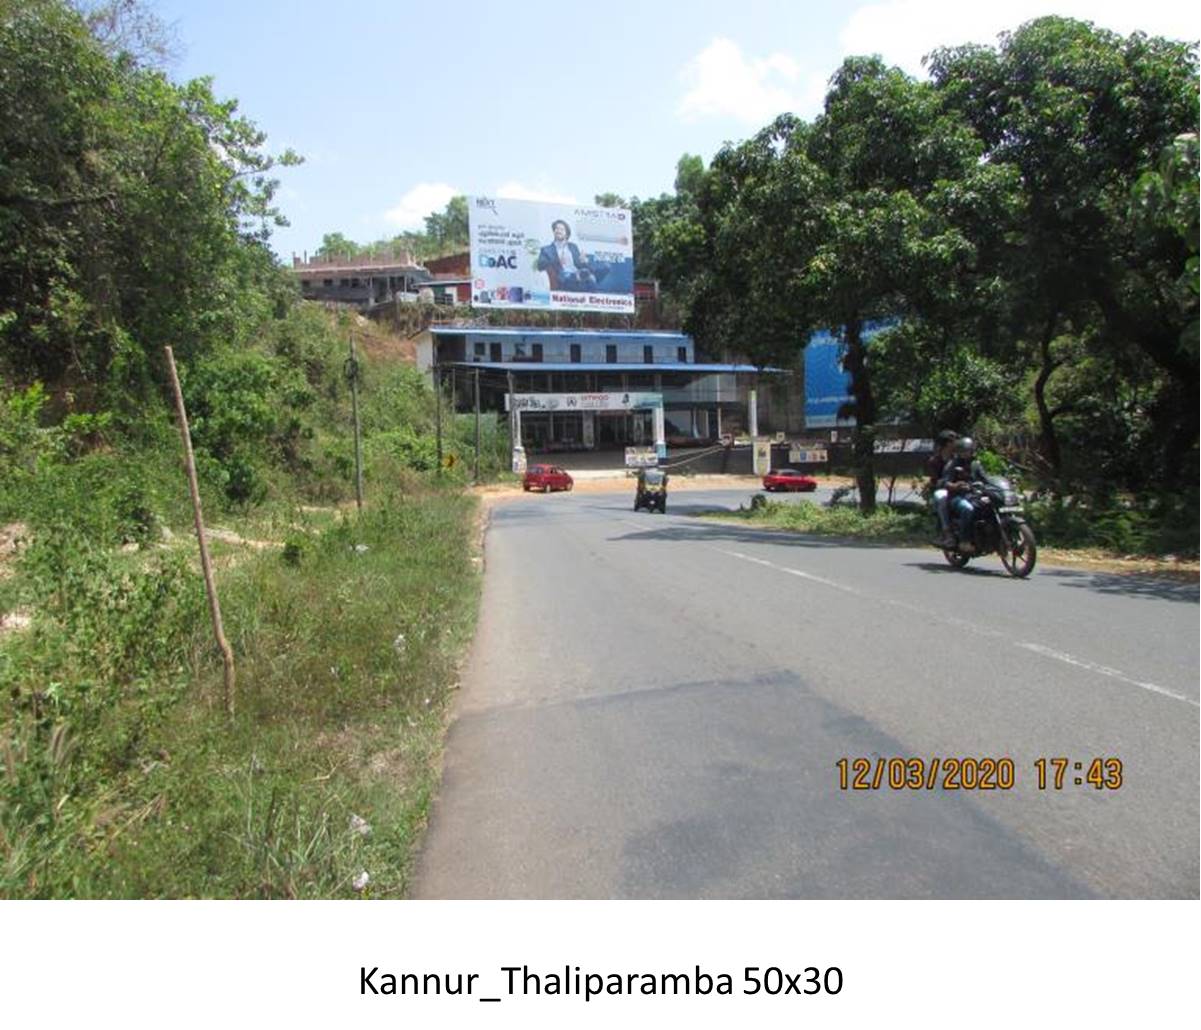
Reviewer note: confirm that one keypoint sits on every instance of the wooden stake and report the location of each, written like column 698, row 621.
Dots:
column 210, row 586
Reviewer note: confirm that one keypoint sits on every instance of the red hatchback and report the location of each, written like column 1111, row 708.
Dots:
column 789, row 479
column 546, row 478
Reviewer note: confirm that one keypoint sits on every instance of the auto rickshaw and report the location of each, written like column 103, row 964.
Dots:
column 652, row 490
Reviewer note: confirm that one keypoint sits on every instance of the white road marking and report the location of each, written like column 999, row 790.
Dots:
column 791, row 572
column 1105, row 670
column 1038, row 649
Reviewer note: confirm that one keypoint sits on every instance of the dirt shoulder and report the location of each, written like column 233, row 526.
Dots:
column 620, row 483
column 1180, row 569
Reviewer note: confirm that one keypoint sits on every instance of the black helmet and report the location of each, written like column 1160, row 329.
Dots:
column 965, row 446
column 947, row 436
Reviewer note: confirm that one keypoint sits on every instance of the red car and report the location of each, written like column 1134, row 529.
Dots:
column 546, row 478
column 789, row 479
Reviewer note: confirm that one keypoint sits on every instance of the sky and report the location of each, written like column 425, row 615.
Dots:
column 397, row 106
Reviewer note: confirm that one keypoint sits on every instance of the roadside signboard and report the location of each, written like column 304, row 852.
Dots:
column 762, row 457
column 550, row 257
column 799, row 456
column 641, row 457
column 903, row 446
column 615, row 400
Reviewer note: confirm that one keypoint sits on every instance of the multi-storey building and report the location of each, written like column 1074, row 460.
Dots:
column 700, row 401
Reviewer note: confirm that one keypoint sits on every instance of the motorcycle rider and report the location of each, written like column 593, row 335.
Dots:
column 935, row 464
column 957, row 478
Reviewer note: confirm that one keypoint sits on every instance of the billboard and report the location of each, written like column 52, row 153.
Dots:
column 827, row 385
column 550, row 257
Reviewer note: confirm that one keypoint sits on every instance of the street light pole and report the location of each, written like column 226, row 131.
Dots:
column 477, row 425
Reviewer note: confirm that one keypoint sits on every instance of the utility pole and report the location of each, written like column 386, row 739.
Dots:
column 512, row 415
column 477, row 425
column 438, row 412
column 352, row 373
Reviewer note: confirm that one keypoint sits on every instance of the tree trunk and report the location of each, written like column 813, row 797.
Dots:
column 864, row 439
column 1046, row 420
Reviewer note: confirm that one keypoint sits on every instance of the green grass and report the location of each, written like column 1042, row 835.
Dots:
column 1154, row 529
column 884, row 524
column 120, row 776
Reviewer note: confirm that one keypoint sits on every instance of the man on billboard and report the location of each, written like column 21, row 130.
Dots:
column 565, row 266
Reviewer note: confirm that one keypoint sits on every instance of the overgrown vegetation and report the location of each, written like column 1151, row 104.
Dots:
column 121, row 778
column 134, row 213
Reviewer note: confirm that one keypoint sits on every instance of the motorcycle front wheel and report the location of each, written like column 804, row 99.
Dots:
column 1019, row 557
column 955, row 558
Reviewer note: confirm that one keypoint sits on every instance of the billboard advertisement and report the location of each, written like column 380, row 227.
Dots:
column 827, row 385
column 550, row 257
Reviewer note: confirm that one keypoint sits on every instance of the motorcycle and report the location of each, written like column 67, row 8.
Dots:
column 998, row 527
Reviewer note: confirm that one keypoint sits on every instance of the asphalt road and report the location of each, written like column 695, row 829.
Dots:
column 655, row 705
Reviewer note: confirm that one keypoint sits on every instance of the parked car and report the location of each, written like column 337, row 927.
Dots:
column 789, row 479
column 546, row 478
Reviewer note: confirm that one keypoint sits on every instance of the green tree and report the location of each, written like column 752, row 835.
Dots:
column 1083, row 116
column 448, row 229
column 840, row 223
column 668, row 235
column 133, row 211
column 336, row 245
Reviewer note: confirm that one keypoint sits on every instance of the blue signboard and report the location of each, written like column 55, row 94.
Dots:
column 827, row 386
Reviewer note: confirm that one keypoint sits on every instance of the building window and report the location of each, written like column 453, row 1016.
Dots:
column 481, row 348
column 343, row 282
column 575, row 353
column 327, row 282
column 494, row 351
column 611, row 353
column 648, row 354
column 682, row 355
column 537, row 351
column 355, row 283
column 519, row 352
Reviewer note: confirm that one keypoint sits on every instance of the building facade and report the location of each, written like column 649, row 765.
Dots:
column 361, row 282
column 701, row 401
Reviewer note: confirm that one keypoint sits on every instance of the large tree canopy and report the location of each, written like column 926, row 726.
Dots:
column 132, row 209
column 1029, row 214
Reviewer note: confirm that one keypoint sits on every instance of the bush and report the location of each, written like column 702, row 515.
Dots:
column 1144, row 526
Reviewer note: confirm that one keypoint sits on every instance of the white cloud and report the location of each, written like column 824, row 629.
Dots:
column 423, row 199
column 723, row 82
column 514, row 190
column 903, row 31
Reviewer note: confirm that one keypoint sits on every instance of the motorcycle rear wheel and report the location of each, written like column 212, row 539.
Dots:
column 1020, row 556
